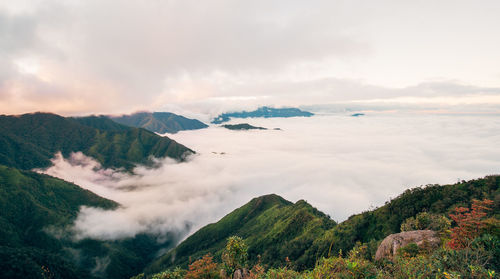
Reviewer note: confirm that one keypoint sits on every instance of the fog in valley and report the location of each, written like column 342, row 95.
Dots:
column 340, row 164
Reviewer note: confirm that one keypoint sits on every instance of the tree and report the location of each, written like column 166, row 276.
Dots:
column 426, row 221
column 234, row 255
column 470, row 223
column 203, row 268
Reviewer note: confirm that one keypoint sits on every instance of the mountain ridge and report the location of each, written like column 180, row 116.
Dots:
column 262, row 222
column 159, row 122
column 265, row 112
column 31, row 140
column 369, row 227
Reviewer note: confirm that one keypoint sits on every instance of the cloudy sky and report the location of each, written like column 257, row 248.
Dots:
column 93, row 56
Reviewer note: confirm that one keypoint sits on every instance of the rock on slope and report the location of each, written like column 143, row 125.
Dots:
column 390, row 245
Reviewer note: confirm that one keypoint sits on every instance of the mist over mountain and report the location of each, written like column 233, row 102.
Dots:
column 170, row 136
column 327, row 151
column 275, row 228
column 36, row 216
column 159, row 122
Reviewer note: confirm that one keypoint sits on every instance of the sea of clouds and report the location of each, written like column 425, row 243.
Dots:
column 340, row 164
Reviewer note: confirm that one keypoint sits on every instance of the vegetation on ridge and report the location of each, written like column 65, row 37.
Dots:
column 271, row 226
column 479, row 258
column 36, row 214
column 265, row 112
column 30, row 141
column 159, row 122
column 312, row 236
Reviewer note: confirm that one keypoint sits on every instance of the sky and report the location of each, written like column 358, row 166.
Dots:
column 340, row 164
column 204, row 57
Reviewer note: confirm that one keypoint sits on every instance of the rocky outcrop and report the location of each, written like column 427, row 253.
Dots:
column 390, row 245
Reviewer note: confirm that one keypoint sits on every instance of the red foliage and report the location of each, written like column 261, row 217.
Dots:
column 203, row 268
column 470, row 223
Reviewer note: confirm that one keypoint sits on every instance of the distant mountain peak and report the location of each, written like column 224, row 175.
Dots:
column 242, row 126
column 265, row 112
column 159, row 122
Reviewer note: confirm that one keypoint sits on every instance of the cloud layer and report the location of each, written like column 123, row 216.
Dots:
column 342, row 165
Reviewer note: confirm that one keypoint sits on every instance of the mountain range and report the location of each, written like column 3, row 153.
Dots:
column 30, row 141
column 265, row 112
column 159, row 122
column 37, row 211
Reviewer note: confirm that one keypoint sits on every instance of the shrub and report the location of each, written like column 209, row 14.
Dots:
column 470, row 223
column 282, row 273
column 203, row 268
column 443, row 263
column 410, row 250
column 426, row 221
column 257, row 272
column 338, row 267
column 177, row 273
column 234, row 255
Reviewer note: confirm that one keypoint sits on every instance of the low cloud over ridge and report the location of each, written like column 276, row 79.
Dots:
column 340, row 164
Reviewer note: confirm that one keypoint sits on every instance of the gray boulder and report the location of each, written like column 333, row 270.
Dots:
column 390, row 245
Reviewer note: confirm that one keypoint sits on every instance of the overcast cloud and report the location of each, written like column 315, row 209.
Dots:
column 340, row 164
column 80, row 57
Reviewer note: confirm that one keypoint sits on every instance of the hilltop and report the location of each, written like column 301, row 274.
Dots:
column 159, row 122
column 272, row 226
column 265, row 112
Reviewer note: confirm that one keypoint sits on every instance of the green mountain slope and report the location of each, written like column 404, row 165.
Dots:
column 30, row 202
column 272, row 227
column 372, row 226
column 31, row 205
column 29, row 141
column 303, row 234
column 159, row 122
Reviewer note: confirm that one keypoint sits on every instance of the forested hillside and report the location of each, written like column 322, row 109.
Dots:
column 273, row 227
column 30, row 140
column 35, row 212
column 304, row 235
column 159, row 122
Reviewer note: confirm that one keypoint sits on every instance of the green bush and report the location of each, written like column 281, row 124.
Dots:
column 443, row 263
column 426, row 221
column 338, row 267
column 234, row 255
column 410, row 250
column 282, row 273
column 177, row 273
